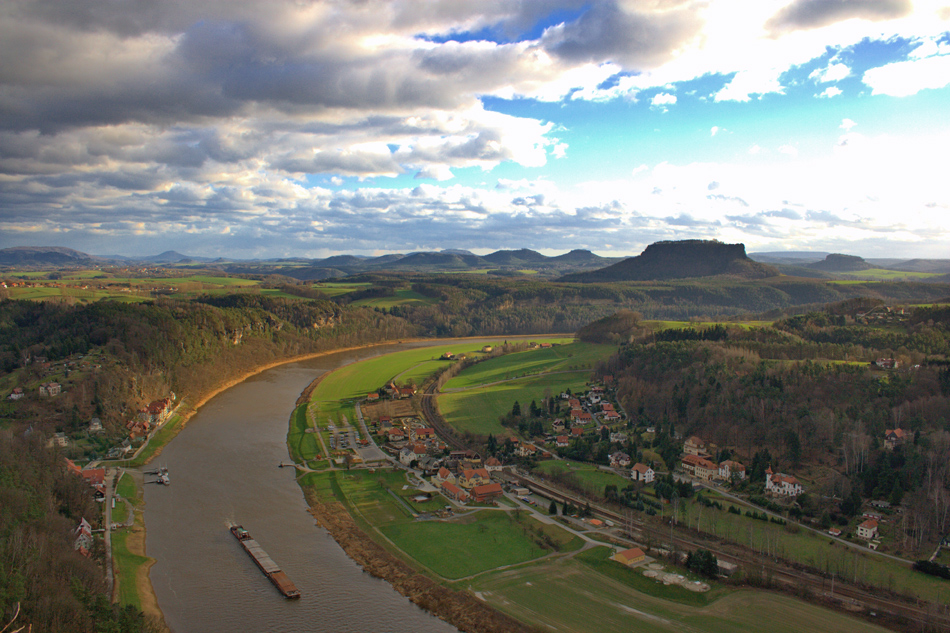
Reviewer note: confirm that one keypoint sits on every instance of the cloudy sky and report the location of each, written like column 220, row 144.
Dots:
column 263, row 128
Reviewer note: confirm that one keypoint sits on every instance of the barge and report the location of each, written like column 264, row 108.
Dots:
column 284, row 584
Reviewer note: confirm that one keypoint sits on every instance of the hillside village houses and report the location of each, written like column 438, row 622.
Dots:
column 781, row 484
column 700, row 467
column 50, row 389
column 619, row 459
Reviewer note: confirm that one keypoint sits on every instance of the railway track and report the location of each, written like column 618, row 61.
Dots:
column 895, row 612
column 924, row 618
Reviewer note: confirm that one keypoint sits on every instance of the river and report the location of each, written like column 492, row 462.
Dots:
column 223, row 468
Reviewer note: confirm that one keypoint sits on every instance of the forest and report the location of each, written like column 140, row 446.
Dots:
column 809, row 396
column 805, row 382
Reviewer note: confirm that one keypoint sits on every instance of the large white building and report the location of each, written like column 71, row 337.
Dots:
column 782, row 484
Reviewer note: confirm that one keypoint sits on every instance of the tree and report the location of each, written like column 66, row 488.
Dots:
column 516, row 409
column 552, row 509
column 491, row 447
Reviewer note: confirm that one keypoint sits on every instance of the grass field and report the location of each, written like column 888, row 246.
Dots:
column 478, row 410
column 403, row 297
column 883, row 274
column 128, row 566
column 561, row 357
column 571, row 595
column 589, row 475
column 463, row 547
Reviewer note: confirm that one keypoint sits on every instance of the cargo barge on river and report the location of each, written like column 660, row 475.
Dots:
column 268, row 566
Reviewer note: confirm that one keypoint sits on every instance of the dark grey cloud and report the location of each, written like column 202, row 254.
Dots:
column 635, row 39
column 810, row 14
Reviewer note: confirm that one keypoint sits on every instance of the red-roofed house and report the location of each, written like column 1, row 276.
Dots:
column 444, row 475
column 729, row 468
column 474, row 477
column 694, row 446
column 894, row 438
column 486, row 492
column 642, row 472
column 493, row 465
column 563, row 441
column 868, row 530
column 630, row 557
column 577, row 431
column 700, row 467
column 782, row 484
column 619, row 459
column 454, row 492
column 422, row 433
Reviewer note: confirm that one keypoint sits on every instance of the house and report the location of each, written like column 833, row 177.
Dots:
column 642, row 472
column 894, row 438
column 782, row 484
column 526, row 450
column 454, row 492
column 730, row 468
column 16, row 394
column 868, row 530
column 486, row 492
column 700, row 467
column 59, row 439
column 473, row 477
column 83, row 542
column 694, row 446
column 95, row 477
column 581, row 417
column 886, row 363
column 577, row 431
column 422, row 433
column 607, row 407
column 447, row 356
column 493, row 465
column 444, row 475
column 618, row 436
column 574, row 403
column 385, row 422
column 619, row 459
column 49, row 389
column 396, row 435
column 630, row 557
column 558, row 425
column 563, row 441
column 487, row 349
column 405, row 392
column 407, row 456
column 95, row 425
column 611, row 416
column 372, row 397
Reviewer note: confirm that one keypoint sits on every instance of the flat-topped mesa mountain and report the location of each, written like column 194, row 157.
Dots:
column 681, row 260
column 838, row 263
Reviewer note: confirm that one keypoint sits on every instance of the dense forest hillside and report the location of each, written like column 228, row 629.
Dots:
column 111, row 359
column 814, row 396
column 681, row 260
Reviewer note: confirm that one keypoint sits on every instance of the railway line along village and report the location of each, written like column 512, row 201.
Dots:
column 543, row 317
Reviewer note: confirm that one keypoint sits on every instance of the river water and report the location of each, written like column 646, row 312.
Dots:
column 223, row 468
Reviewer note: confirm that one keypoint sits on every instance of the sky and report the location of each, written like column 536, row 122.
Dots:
column 269, row 128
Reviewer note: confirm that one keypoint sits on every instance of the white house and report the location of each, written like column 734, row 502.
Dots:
column 782, row 484
column 642, row 472
column 868, row 530
column 729, row 468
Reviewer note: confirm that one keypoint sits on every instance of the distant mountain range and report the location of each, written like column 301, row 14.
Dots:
column 663, row 260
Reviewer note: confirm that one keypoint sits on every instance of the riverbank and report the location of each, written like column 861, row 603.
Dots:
column 461, row 609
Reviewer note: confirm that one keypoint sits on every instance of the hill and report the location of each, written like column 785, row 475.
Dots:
column 681, row 260
column 838, row 263
column 40, row 256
